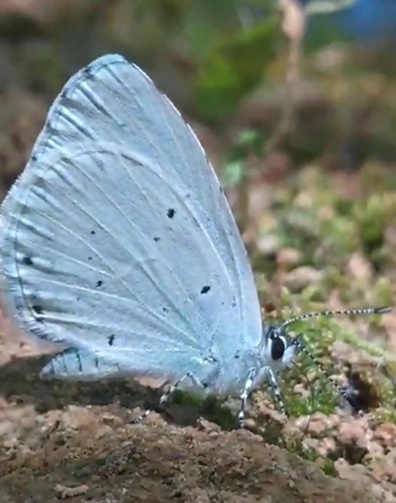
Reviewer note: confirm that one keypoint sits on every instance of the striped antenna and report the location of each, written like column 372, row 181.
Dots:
column 347, row 312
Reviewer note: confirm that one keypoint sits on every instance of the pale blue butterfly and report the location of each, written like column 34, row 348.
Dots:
column 117, row 241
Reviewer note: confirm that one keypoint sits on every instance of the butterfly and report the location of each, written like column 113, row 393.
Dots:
column 117, row 242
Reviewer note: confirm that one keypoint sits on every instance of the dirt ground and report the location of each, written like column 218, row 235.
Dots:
column 78, row 442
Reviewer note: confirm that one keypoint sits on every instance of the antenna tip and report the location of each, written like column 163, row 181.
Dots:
column 383, row 310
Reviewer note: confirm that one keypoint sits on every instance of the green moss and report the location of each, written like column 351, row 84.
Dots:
column 373, row 217
column 185, row 407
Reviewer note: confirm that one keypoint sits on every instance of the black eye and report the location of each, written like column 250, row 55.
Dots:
column 277, row 348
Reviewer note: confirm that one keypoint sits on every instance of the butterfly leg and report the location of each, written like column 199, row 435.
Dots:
column 244, row 396
column 197, row 382
column 165, row 396
column 276, row 390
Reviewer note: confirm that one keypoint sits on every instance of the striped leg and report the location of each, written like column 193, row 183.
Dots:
column 244, row 396
column 276, row 390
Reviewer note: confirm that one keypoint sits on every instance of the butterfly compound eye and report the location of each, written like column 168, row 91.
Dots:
column 277, row 348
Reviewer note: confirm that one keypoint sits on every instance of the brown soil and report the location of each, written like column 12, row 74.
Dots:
column 78, row 442
column 93, row 454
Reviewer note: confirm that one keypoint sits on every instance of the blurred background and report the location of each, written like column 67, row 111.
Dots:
column 296, row 94
column 295, row 104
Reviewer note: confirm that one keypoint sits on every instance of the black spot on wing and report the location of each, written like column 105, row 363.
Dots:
column 27, row 260
column 37, row 308
column 171, row 212
column 100, row 164
column 205, row 289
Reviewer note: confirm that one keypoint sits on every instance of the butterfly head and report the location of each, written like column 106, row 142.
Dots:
column 281, row 346
column 280, row 349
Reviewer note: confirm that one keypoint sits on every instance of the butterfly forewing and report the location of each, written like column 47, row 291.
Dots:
column 117, row 238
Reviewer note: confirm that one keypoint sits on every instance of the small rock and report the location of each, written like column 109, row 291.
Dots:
column 64, row 492
column 385, row 433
